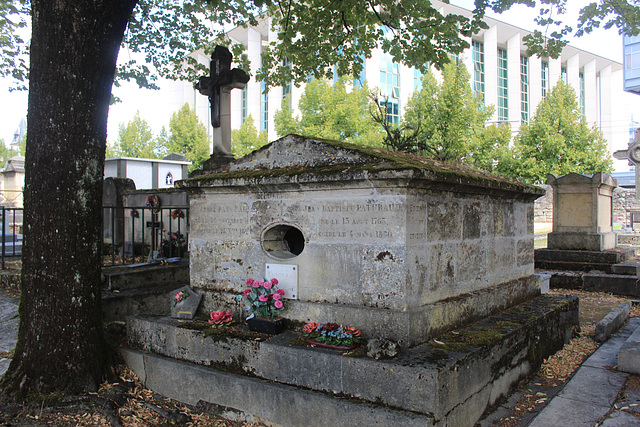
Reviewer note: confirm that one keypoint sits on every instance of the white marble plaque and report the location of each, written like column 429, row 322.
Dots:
column 287, row 276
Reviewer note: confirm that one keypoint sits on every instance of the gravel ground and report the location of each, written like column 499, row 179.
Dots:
column 125, row 402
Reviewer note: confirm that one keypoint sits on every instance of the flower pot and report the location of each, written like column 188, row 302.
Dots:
column 266, row 326
column 337, row 347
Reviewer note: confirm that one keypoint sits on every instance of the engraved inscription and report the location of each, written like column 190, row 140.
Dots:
column 360, row 220
column 228, row 221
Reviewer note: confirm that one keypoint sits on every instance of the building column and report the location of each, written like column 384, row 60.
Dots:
column 555, row 71
column 590, row 93
column 513, row 73
column 605, row 118
column 573, row 75
column 490, row 40
column 535, row 84
column 254, row 47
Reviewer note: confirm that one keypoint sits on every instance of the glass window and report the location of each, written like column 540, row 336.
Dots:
column 503, row 87
column 390, row 88
column 546, row 82
column 524, row 89
column 582, row 95
column 264, row 107
column 478, row 67
column 244, row 104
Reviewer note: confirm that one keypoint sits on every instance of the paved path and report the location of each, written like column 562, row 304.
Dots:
column 592, row 391
column 8, row 328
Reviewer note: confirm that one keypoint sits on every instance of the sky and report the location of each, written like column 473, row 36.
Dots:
column 156, row 107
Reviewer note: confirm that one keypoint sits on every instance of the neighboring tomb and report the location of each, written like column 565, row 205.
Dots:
column 395, row 244
column 582, row 212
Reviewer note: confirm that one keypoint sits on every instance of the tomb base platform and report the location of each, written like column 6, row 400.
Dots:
column 408, row 325
column 581, row 241
column 277, row 380
column 584, row 261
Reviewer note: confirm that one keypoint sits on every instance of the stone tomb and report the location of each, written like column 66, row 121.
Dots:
column 397, row 245
column 582, row 211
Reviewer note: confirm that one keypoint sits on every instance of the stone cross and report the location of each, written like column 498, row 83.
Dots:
column 217, row 86
column 633, row 155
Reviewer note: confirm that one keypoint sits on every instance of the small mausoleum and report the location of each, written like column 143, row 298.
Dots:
column 397, row 245
column 148, row 173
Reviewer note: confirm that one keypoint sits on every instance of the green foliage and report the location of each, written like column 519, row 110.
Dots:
column 331, row 112
column 135, row 139
column 6, row 153
column 557, row 141
column 188, row 136
column 338, row 37
column 247, row 138
column 447, row 120
column 15, row 51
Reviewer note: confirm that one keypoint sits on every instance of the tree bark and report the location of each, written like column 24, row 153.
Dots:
column 74, row 48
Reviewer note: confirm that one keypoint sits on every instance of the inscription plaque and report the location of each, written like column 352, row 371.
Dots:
column 287, row 276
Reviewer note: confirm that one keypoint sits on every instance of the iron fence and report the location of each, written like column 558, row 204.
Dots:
column 130, row 235
column 11, row 234
column 133, row 235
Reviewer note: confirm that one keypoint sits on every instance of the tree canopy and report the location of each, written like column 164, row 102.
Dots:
column 188, row 136
column 447, row 121
column 331, row 111
column 557, row 141
column 135, row 139
column 247, row 138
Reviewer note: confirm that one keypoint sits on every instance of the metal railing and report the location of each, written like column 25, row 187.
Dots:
column 130, row 235
column 11, row 234
column 133, row 235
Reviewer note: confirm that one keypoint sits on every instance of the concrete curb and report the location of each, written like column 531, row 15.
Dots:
column 612, row 321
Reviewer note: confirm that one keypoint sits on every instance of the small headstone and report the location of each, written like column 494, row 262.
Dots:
column 184, row 303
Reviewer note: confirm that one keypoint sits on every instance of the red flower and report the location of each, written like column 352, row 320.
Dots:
column 274, row 281
column 249, row 282
column 219, row 317
column 247, row 292
column 310, row 327
column 331, row 327
column 281, row 292
column 353, row 331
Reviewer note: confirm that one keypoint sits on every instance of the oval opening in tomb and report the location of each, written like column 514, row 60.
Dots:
column 283, row 241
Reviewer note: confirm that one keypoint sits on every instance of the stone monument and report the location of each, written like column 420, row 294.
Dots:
column 582, row 206
column 217, row 87
column 398, row 245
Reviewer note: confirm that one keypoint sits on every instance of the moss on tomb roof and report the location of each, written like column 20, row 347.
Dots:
column 369, row 163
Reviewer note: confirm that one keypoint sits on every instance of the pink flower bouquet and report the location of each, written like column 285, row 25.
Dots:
column 263, row 298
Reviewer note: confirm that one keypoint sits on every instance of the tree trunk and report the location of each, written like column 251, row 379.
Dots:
column 74, row 47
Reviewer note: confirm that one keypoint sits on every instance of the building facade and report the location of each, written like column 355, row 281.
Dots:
column 496, row 59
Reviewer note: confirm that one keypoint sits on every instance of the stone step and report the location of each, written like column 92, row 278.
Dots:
column 565, row 280
column 612, row 256
column 629, row 354
column 613, row 283
column 122, row 278
column 452, row 385
column 630, row 267
column 151, row 301
column 572, row 266
column 251, row 399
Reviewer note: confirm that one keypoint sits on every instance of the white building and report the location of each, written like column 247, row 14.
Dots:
column 513, row 82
